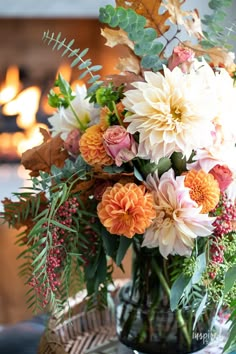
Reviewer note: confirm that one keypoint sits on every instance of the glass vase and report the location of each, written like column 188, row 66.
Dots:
column 144, row 321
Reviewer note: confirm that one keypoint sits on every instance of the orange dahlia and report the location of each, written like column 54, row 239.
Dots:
column 204, row 189
column 92, row 149
column 126, row 209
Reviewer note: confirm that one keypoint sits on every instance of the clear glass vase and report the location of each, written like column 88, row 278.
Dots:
column 144, row 321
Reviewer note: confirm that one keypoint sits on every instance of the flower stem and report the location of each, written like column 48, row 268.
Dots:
column 179, row 315
column 82, row 127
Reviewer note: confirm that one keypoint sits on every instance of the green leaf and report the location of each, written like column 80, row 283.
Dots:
column 177, row 290
column 125, row 243
column 200, row 266
column 110, row 242
column 230, row 278
column 85, row 64
column 200, row 309
column 40, row 255
column 137, row 174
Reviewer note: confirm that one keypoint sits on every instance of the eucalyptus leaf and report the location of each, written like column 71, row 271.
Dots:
column 200, row 266
column 200, row 309
column 177, row 290
column 230, row 278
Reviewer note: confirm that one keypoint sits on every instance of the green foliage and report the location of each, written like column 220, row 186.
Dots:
column 64, row 97
column 146, row 44
column 84, row 65
column 214, row 25
column 107, row 95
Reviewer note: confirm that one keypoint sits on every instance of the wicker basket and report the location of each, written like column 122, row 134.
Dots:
column 83, row 333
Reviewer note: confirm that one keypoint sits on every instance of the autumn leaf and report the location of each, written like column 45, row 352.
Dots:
column 193, row 25
column 176, row 13
column 217, row 55
column 42, row 157
column 190, row 20
column 150, row 9
column 116, row 37
column 130, row 64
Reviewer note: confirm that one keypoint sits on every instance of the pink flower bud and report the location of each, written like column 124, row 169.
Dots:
column 223, row 175
column 71, row 143
column 119, row 144
column 181, row 57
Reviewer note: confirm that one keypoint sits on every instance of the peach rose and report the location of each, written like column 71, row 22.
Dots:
column 119, row 144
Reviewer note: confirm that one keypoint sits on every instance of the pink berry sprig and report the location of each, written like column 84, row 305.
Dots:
column 225, row 213
column 56, row 253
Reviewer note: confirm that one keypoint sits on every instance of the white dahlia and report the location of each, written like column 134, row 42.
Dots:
column 82, row 112
column 179, row 220
column 171, row 112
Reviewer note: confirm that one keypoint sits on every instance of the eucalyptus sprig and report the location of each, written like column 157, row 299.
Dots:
column 84, row 65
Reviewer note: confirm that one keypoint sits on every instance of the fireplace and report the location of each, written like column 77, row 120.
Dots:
column 28, row 68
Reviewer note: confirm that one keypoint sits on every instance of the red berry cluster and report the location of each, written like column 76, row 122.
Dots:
column 225, row 214
column 56, row 254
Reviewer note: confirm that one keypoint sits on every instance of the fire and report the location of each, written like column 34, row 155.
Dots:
column 12, row 85
column 33, row 138
column 23, row 105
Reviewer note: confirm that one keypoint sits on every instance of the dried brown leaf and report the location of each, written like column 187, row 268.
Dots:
column 190, row 20
column 150, row 9
column 130, row 64
column 116, row 37
column 217, row 55
column 42, row 157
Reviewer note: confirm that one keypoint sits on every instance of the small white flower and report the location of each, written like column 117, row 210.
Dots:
column 65, row 120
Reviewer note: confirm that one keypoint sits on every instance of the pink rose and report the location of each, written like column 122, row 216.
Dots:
column 71, row 143
column 119, row 144
column 181, row 57
column 223, row 175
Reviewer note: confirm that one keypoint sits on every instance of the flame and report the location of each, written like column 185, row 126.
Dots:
column 11, row 86
column 25, row 105
column 33, row 138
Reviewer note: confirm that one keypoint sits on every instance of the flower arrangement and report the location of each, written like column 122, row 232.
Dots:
column 144, row 156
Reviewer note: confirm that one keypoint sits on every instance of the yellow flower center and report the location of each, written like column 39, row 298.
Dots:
column 176, row 113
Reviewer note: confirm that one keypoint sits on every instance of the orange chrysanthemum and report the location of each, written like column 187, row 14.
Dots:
column 92, row 148
column 204, row 189
column 126, row 209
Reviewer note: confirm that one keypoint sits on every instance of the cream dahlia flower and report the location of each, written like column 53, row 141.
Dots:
column 171, row 112
column 179, row 220
column 67, row 119
column 224, row 92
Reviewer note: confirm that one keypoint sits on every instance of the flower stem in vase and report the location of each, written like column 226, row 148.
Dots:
column 179, row 316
